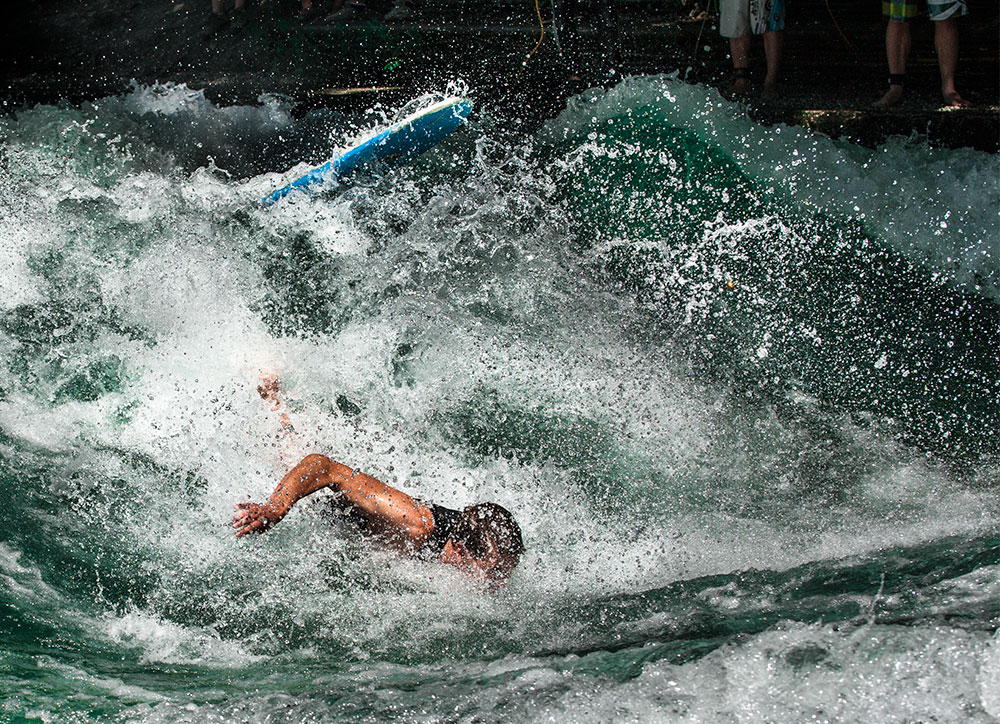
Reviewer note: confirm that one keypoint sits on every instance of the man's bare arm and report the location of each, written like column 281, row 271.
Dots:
column 313, row 473
column 270, row 390
column 391, row 513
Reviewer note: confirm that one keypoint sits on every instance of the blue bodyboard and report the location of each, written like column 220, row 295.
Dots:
column 398, row 143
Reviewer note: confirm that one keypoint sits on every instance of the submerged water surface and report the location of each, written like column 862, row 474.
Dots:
column 739, row 384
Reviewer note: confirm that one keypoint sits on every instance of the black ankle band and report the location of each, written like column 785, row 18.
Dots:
column 897, row 78
column 741, row 72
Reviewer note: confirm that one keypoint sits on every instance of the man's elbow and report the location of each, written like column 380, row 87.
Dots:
column 317, row 462
column 321, row 468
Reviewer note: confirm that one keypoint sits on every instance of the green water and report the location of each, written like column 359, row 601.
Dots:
column 747, row 422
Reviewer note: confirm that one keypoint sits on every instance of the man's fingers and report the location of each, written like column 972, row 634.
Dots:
column 252, row 518
column 244, row 510
column 250, row 527
column 254, row 525
column 246, row 514
column 242, row 514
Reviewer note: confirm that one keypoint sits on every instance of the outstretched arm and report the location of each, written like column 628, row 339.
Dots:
column 391, row 513
column 311, row 474
column 270, row 391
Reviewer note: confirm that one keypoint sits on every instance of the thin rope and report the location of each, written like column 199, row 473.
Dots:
column 854, row 50
column 541, row 24
column 697, row 43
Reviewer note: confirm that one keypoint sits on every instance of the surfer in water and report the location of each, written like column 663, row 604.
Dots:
column 483, row 540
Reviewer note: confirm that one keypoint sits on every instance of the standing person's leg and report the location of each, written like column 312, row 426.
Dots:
column 767, row 18
column 897, row 51
column 216, row 21
column 897, row 47
column 946, row 44
column 739, row 49
column 773, row 43
column 239, row 14
column 734, row 23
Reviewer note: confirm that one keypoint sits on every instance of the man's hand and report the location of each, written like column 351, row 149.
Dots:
column 254, row 518
column 269, row 388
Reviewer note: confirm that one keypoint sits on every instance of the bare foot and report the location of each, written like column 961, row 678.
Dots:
column 739, row 88
column 892, row 96
column 770, row 89
column 954, row 100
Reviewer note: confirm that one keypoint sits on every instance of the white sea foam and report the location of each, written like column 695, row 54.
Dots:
column 17, row 285
column 989, row 677
column 937, row 207
column 796, row 673
column 169, row 643
column 23, row 581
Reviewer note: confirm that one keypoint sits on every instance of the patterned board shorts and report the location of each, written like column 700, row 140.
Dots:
column 743, row 17
column 900, row 10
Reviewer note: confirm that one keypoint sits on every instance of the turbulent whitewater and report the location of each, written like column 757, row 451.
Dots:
column 738, row 383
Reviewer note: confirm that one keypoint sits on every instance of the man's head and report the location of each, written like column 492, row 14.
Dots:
column 487, row 539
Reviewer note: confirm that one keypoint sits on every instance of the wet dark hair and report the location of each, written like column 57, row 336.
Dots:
column 485, row 524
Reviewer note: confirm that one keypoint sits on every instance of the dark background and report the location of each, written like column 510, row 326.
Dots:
column 834, row 64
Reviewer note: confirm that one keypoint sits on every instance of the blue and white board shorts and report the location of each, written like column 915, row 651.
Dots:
column 745, row 17
column 900, row 10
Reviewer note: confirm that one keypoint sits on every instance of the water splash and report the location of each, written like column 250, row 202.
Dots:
column 635, row 329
